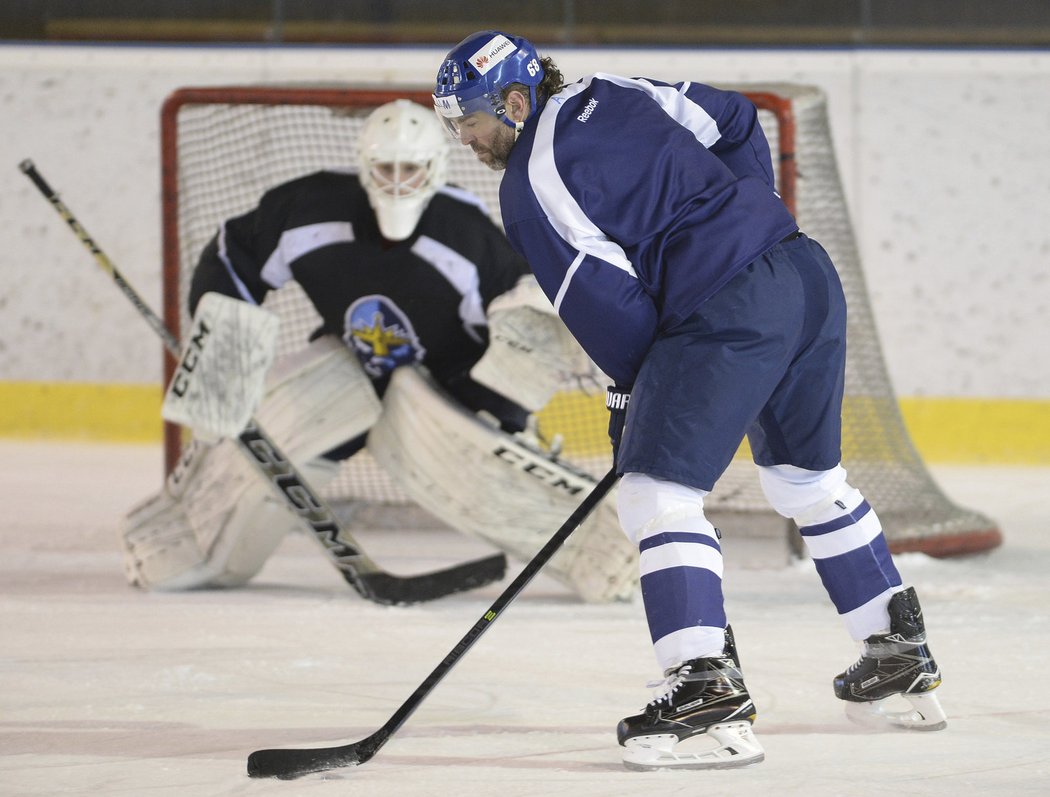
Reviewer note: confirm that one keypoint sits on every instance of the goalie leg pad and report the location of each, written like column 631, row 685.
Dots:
column 256, row 526
column 217, row 520
column 498, row 487
column 215, row 526
column 160, row 549
column 316, row 399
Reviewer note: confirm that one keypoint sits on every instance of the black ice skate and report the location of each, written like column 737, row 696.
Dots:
column 894, row 666
column 701, row 698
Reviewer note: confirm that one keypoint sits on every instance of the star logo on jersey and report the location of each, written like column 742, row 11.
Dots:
column 381, row 335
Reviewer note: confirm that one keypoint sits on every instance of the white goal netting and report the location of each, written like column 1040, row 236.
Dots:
column 223, row 147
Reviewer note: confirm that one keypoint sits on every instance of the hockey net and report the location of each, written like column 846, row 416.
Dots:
column 223, row 147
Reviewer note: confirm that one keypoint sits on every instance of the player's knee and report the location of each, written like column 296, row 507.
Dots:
column 808, row 496
column 647, row 506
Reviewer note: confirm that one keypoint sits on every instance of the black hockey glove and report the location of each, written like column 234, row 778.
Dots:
column 616, row 400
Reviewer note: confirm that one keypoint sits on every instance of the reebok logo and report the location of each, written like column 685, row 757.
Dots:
column 588, row 109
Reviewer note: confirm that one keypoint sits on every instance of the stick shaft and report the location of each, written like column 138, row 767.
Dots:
column 101, row 258
column 294, row 763
column 600, row 490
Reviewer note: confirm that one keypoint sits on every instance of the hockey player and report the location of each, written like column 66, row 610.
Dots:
column 648, row 213
column 403, row 270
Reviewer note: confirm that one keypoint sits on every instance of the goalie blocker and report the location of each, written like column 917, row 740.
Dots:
column 222, row 372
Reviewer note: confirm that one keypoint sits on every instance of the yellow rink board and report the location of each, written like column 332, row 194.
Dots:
column 949, row 430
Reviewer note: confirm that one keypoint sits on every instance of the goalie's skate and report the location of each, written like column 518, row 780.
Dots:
column 701, row 720
column 891, row 685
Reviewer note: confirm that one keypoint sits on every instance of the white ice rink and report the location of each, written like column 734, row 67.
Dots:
column 108, row 691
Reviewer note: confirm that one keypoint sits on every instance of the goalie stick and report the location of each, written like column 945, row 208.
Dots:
column 293, row 763
column 356, row 567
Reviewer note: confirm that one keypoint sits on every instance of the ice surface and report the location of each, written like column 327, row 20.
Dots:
column 105, row 690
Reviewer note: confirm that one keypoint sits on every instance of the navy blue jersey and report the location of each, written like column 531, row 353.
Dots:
column 634, row 201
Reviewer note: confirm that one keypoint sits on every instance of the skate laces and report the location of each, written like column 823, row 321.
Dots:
column 664, row 689
column 885, row 646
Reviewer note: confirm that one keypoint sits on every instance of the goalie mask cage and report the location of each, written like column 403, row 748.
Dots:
column 223, row 147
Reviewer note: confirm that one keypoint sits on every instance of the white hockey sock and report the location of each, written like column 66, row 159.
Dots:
column 680, row 565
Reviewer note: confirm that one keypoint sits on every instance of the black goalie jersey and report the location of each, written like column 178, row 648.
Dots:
column 422, row 299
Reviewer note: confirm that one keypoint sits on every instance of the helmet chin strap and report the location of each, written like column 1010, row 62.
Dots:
column 519, row 126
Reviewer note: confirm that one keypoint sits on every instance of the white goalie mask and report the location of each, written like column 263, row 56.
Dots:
column 403, row 157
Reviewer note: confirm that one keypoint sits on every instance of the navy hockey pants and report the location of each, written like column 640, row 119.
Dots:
column 765, row 356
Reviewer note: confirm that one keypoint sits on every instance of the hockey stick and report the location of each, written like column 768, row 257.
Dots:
column 364, row 575
column 293, row 763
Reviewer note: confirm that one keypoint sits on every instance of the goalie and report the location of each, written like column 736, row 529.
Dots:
column 403, row 270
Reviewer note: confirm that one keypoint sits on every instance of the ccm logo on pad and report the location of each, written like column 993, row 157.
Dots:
column 551, row 476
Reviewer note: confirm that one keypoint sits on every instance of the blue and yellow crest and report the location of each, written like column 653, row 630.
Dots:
column 381, row 335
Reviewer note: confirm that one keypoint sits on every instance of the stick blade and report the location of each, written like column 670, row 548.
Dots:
column 294, row 763
column 391, row 590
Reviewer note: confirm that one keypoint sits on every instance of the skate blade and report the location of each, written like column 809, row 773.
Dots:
column 894, row 713
column 736, row 746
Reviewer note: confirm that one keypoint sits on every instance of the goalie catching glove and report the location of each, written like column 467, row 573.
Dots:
column 531, row 353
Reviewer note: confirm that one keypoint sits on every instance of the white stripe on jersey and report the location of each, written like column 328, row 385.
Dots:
column 238, row 283
column 299, row 241
column 563, row 213
column 462, row 274
column 565, row 282
column 464, row 196
column 675, row 104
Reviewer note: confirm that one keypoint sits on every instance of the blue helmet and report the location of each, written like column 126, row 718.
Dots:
column 477, row 69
